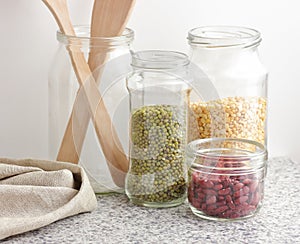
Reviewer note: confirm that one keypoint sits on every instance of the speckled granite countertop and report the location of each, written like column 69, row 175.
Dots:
column 118, row 221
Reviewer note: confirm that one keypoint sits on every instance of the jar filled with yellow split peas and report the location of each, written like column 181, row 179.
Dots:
column 228, row 56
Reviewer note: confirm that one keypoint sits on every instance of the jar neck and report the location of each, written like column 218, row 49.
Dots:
column 212, row 45
column 84, row 40
column 222, row 38
column 159, row 61
column 160, row 69
column 232, row 51
column 239, row 153
column 223, row 46
column 213, row 56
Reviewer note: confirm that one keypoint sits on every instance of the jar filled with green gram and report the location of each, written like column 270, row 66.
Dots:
column 159, row 92
column 228, row 55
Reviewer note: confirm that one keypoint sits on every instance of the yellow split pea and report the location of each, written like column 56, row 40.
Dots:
column 231, row 117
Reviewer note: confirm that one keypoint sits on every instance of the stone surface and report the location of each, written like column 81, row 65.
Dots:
column 118, row 221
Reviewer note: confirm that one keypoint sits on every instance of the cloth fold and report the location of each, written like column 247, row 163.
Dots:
column 35, row 193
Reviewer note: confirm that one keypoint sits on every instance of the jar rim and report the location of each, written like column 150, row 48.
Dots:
column 83, row 37
column 212, row 149
column 219, row 36
column 159, row 59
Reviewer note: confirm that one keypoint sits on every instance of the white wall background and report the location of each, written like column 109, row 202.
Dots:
column 28, row 42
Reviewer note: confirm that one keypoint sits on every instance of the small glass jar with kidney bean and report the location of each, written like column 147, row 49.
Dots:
column 226, row 178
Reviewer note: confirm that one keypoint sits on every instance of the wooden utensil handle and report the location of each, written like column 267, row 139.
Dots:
column 71, row 145
column 106, row 133
column 112, row 149
column 109, row 19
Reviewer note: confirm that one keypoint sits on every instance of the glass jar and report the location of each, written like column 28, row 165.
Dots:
column 226, row 178
column 228, row 55
column 111, row 60
column 159, row 91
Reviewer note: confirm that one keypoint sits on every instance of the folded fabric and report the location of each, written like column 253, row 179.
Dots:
column 35, row 193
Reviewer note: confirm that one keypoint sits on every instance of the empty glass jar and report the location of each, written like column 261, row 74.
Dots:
column 228, row 55
column 226, row 178
column 159, row 91
column 111, row 60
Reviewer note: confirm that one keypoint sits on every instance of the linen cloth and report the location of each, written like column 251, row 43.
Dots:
column 35, row 193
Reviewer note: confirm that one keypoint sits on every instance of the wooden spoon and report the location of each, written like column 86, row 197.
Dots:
column 112, row 148
column 109, row 19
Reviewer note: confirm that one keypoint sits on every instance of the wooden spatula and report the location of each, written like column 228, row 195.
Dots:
column 109, row 19
column 112, row 149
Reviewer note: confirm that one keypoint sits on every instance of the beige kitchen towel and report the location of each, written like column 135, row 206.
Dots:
column 35, row 193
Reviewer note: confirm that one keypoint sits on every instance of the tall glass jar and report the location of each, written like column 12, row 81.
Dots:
column 228, row 55
column 226, row 178
column 66, row 97
column 159, row 92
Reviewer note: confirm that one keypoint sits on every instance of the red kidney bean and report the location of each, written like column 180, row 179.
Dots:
column 231, row 205
column 211, row 207
column 247, row 181
column 238, row 186
column 224, row 196
column 228, row 198
column 221, row 203
column 241, row 206
column 251, row 208
column 195, row 203
column 210, row 212
column 209, row 192
column 241, row 177
column 247, row 209
column 225, row 183
column 224, row 191
column 230, row 202
column 228, row 213
column 244, row 212
column 206, row 184
column 238, row 193
column 211, row 200
column 203, row 206
column 215, row 180
column 221, row 209
column 218, row 187
column 241, row 199
column 246, row 190
column 201, row 196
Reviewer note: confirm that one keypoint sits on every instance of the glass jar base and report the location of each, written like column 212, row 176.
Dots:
column 105, row 188
column 203, row 215
column 173, row 203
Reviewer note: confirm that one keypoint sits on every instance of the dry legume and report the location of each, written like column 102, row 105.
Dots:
column 225, row 196
column 231, row 117
column 158, row 137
